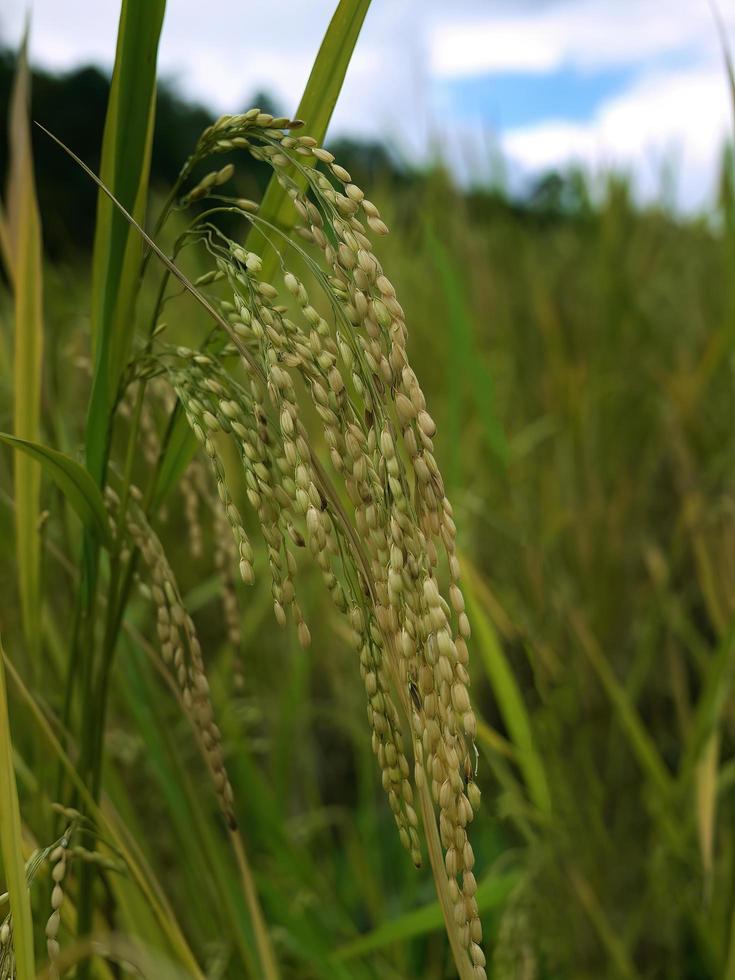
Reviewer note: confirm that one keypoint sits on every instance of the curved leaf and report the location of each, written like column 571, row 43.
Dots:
column 126, row 156
column 11, row 846
column 72, row 479
column 24, row 258
column 492, row 895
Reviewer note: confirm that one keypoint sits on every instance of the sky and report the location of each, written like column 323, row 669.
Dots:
column 635, row 84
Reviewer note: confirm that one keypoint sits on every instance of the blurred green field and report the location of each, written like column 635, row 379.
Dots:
column 580, row 365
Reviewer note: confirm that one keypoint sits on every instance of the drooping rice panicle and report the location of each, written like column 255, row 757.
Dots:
column 373, row 514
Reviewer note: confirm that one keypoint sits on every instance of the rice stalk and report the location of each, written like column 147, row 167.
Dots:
column 384, row 538
column 24, row 241
column 378, row 536
column 125, row 165
column 16, row 934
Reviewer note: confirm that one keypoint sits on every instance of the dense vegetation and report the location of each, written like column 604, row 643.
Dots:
column 576, row 353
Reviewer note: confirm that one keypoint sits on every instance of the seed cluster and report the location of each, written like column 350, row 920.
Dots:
column 58, row 856
column 332, row 341
column 180, row 647
column 58, row 862
column 197, row 496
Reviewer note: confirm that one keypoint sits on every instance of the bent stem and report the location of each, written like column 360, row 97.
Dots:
column 266, row 952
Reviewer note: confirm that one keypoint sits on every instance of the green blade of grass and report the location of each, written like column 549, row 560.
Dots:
column 316, row 108
column 24, row 238
column 713, row 700
column 612, row 943
column 5, row 252
column 125, row 166
column 510, row 702
column 641, row 743
column 469, row 369
column 11, row 843
column 706, row 791
column 491, row 894
column 72, row 479
column 180, row 449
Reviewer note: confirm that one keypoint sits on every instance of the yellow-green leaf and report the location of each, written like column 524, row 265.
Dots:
column 11, row 845
column 72, row 479
column 316, row 108
column 125, row 166
column 23, row 239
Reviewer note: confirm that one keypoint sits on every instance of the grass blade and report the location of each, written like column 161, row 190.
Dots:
column 712, row 703
column 316, row 108
column 24, row 241
column 106, row 818
column 706, row 808
column 11, row 845
column 641, row 743
column 72, row 479
column 510, row 702
column 469, row 369
column 125, row 166
column 491, row 894
column 5, row 252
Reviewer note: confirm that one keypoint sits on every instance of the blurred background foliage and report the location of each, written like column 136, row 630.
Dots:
column 576, row 349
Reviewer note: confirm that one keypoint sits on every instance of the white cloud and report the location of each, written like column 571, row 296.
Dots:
column 222, row 53
column 674, row 116
column 592, row 34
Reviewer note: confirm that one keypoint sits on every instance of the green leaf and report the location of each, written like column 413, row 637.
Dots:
column 468, row 370
column 24, row 251
column 642, row 745
column 713, row 700
column 72, row 479
column 510, row 701
column 180, row 450
column 316, row 108
column 11, row 845
column 126, row 154
column 491, row 894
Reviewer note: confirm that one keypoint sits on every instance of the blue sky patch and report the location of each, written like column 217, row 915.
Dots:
column 507, row 100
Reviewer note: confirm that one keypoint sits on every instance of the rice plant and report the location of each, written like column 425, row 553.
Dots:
column 364, row 499
column 235, row 708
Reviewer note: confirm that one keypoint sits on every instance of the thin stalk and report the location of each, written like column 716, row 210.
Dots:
column 93, row 721
column 11, row 841
column 433, row 844
column 462, row 961
column 262, row 936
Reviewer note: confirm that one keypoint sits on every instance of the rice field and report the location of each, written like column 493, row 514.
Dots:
column 367, row 583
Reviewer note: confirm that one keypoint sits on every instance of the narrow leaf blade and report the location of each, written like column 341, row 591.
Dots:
column 23, row 239
column 510, row 702
column 71, row 478
column 316, row 108
column 11, row 845
column 126, row 154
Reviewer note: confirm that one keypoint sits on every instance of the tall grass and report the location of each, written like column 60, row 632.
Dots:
column 401, row 626
column 579, row 368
